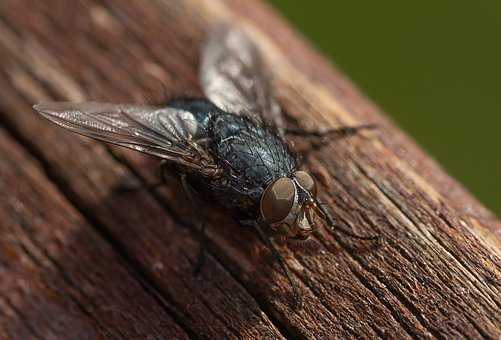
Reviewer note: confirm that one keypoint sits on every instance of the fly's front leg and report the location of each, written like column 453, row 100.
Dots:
column 202, row 221
column 278, row 257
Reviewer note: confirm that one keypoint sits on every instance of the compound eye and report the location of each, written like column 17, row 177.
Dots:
column 277, row 200
column 306, row 181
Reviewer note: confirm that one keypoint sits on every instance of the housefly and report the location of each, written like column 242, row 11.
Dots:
column 231, row 147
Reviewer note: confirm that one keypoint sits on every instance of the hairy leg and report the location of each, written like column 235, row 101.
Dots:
column 137, row 185
column 334, row 134
column 278, row 257
column 202, row 222
column 322, row 138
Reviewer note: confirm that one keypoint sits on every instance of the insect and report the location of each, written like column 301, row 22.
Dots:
column 231, row 147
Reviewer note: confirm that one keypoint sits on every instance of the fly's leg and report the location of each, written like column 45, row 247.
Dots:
column 163, row 174
column 127, row 187
column 191, row 193
column 164, row 165
column 203, row 247
column 333, row 225
column 278, row 257
column 338, row 133
column 327, row 136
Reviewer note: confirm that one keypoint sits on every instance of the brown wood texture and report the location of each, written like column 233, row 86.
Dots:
column 80, row 260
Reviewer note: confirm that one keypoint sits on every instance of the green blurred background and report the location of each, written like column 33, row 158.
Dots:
column 433, row 66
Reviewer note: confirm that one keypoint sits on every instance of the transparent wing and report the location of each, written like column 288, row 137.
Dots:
column 233, row 76
column 164, row 132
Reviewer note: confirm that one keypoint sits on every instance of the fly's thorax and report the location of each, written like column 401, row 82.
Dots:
column 251, row 157
column 251, row 154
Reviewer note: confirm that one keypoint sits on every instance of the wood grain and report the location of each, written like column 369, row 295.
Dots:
column 61, row 280
column 435, row 273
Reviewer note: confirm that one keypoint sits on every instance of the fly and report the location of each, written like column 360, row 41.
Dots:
column 231, row 147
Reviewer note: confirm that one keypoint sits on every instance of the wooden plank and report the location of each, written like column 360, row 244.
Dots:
column 210, row 305
column 436, row 272
column 59, row 278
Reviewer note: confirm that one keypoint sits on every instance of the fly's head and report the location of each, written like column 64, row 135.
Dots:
column 288, row 205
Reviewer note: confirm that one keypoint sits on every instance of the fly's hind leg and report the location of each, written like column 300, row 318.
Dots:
column 202, row 222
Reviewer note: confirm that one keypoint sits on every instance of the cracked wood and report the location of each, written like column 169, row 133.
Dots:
column 436, row 271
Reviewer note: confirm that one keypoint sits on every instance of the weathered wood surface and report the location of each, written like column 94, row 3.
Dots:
column 79, row 260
